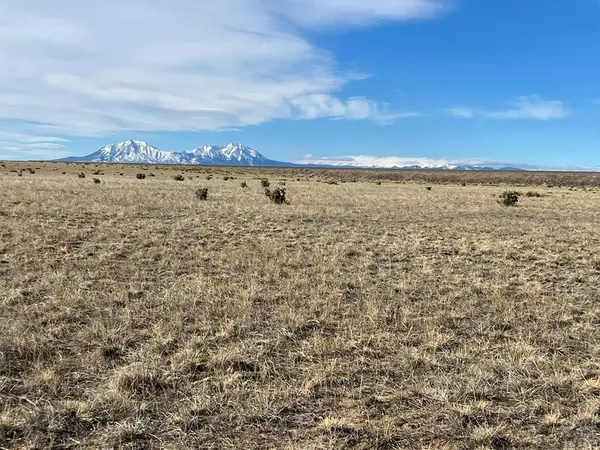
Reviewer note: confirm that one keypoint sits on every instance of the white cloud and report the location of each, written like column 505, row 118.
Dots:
column 91, row 68
column 460, row 111
column 383, row 161
column 524, row 107
column 532, row 107
column 314, row 13
column 18, row 145
column 391, row 162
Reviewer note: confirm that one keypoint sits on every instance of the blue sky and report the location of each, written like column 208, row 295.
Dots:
column 512, row 81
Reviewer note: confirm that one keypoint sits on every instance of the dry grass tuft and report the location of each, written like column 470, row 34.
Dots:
column 97, row 181
column 140, row 380
column 179, row 177
column 140, row 176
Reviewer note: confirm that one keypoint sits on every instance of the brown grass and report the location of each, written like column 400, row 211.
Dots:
column 360, row 316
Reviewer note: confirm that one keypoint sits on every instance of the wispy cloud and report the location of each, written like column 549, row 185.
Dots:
column 532, row 107
column 524, row 107
column 25, row 146
column 355, row 108
column 92, row 68
column 459, row 111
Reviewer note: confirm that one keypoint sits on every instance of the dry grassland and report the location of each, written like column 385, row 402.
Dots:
column 359, row 316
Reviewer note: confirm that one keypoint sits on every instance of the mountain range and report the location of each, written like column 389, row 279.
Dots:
column 140, row 152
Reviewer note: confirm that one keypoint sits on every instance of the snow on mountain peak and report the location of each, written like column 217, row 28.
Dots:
column 141, row 152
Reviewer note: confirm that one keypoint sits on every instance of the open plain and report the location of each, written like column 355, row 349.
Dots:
column 368, row 313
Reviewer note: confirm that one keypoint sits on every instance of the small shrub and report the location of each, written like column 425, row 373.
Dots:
column 244, row 184
column 81, row 175
column 429, row 188
column 265, row 183
column 209, row 177
column 151, row 175
column 277, row 195
column 179, row 178
column 30, row 170
column 140, row 176
column 531, row 194
column 97, row 172
column 378, row 183
column 20, row 174
column 97, row 181
column 510, row 198
column 225, row 178
column 464, row 184
column 202, row 194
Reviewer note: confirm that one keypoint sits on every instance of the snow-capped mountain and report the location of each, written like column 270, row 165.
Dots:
column 229, row 155
column 129, row 152
column 139, row 152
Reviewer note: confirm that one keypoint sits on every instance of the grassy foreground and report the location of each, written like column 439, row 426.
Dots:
column 359, row 316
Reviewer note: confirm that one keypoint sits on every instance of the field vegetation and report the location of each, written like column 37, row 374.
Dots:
column 365, row 311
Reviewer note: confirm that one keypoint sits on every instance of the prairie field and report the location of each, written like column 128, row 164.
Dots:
column 376, row 310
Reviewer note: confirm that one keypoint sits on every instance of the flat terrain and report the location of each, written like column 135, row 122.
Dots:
column 359, row 316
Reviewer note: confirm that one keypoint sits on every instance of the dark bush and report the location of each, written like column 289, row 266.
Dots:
column 244, row 184
column 209, row 177
column 429, row 188
column 140, row 176
column 81, row 175
column 97, row 181
column 30, row 170
column 265, row 183
column 531, row 194
column 20, row 174
column 277, row 195
column 179, row 178
column 202, row 194
column 510, row 198
column 151, row 175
